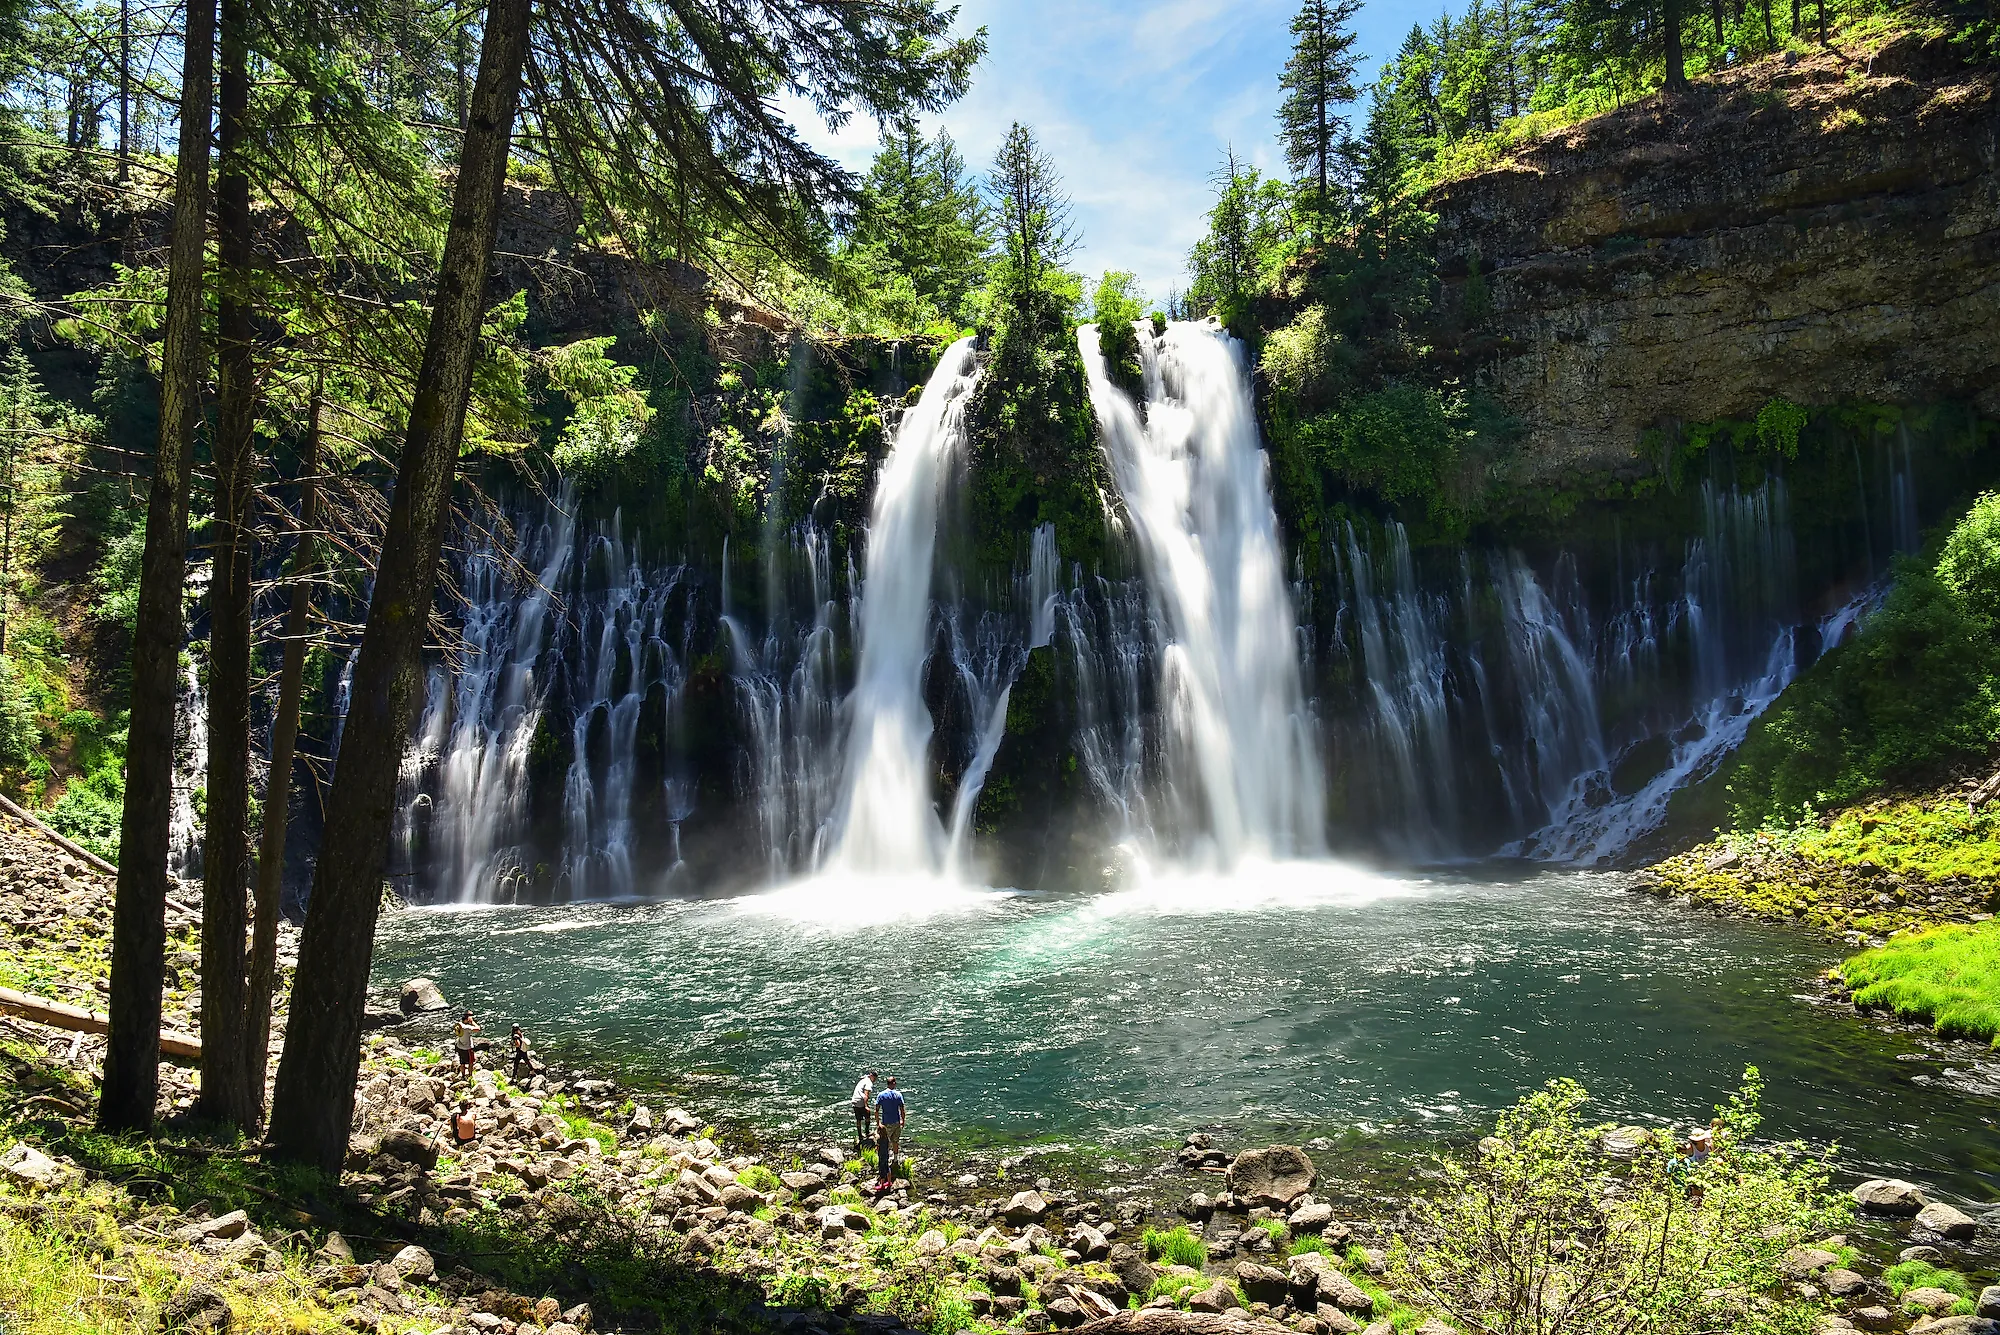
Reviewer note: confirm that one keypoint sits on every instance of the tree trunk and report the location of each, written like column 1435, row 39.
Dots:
column 278, row 793
column 1721, row 37
column 124, row 91
column 1677, row 79
column 314, row 1101
column 225, row 857
column 1795, row 19
column 1770, row 29
column 139, row 916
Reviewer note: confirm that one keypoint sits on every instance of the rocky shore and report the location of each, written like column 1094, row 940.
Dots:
column 584, row 1205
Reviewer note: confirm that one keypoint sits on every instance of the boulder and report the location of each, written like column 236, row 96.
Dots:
column 739, row 1199
column 1844, row 1283
column 1064, row 1313
column 1963, row 1325
column 1133, row 1270
column 197, row 1309
column 1096, row 1306
column 932, row 1243
column 1089, row 1243
column 1874, row 1317
column 1310, row 1218
column 1306, row 1269
column 420, row 994
column 413, row 1265
column 1920, row 1252
column 1025, row 1208
column 1931, row 1302
column 223, row 1227
column 1625, row 1142
column 1262, row 1283
column 697, row 1187
column 1989, row 1302
column 1218, row 1297
column 1890, row 1196
column 1947, row 1221
column 411, row 1148
column 1803, row 1262
column 1275, row 1176
column 802, row 1183
column 1343, row 1293
column 336, row 1250
column 26, row 1166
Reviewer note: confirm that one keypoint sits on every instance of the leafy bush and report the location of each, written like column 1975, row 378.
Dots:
column 1175, row 1245
column 1949, row 976
column 1543, row 1235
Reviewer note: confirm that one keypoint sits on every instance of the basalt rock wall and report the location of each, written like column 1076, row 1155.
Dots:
column 1823, row 229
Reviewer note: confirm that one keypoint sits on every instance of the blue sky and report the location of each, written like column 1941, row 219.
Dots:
column 1135, row 102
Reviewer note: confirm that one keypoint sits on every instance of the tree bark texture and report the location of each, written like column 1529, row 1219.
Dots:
column 278, row 792
column 1677, row 79
column 139, row 916
column 314, row 1099
column 225, row 1088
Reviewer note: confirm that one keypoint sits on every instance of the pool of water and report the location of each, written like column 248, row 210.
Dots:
column 1294, row 1000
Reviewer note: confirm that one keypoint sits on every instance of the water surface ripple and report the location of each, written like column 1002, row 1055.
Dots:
column 1300, row 1000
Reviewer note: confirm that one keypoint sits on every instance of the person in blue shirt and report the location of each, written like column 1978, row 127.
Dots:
column 890, row 1116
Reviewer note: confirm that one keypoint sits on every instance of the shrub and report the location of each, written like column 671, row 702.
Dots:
column 1175, row 1245
column 1542, row 1235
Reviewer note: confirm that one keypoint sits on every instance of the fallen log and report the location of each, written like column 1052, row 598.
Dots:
column 75, row 850
column 62, row 1015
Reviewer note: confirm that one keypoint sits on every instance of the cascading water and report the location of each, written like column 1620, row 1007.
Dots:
column 1242, row 767
column 190, row 776
column 887, row 823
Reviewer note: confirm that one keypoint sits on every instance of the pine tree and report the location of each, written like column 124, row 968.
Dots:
column 921, row 213
column 1318, row 81
column 1036, row 219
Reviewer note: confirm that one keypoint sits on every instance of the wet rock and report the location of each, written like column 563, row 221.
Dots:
column 1844, row 1283
column 1989, row 1302
column 1025, row 1208
column 1947, row 1221
column 1198, row 1206
column 1920, row 1253
column 1890, row 1196
column 1274, row 1176
column 197, row 1309
column 1874, row 1317
column 420, row 994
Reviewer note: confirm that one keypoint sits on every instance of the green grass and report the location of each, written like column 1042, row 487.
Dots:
column 1177, row 1287
column 1923, row 1275
column 1948, row 976
column 758, row 1178
column 1176, row 1245
column 1311, row 1243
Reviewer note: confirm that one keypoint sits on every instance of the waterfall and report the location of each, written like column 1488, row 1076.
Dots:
column 1242, row 766
column 190, row 775
column 886, row 821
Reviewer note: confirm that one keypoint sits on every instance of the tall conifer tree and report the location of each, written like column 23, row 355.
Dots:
column 1318, row 81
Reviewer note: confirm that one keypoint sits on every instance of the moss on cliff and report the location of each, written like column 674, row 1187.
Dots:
column 1035, row 454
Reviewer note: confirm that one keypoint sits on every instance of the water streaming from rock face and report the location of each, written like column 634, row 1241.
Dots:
column 1242, row 772
column 887, row 822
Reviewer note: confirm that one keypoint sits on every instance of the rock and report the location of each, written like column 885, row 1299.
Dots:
column 413, row 1265
column 1890, row 1196
column 932, row 1243
column 336, row 1250
column 697, row 1186
column 1932, row 1302
column 1874, row 1318
column 1310, row 1218
column 1343, row 1293
column 1801, row 1262
column 1093, row 1245
column 1844, row 1283
column 801, row 1182
column 739, row 1199
column 681, row 1122
column 232, row 1225
column 197, row 1309
column 1025, row 1208
column 1625, row 1142
column 411, row 1148
column 1920, row 1253
column 1262, row 1283
column 1096, row 1307
column 1963, row 1325
column 1064, row 1313
column 26, row 1166
column 1218, row 1297
column 1435, row 1327
column 1133, row 1270
column 420, row 994
column 1947, row 1221
column 579, row 1316
column 1989, row 1302
column 1275, row 1176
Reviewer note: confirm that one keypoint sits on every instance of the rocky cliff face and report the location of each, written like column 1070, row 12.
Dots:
column 1823, row 229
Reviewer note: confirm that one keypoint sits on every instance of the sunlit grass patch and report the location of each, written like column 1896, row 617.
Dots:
column 1175, row 1245
column 1948, row 976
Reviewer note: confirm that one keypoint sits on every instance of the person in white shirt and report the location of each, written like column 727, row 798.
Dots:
column 461, row 1038
column 864, row 1098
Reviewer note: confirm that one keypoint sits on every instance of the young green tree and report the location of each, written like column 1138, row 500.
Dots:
column 1318, row 81
column 924, row 218
column 1036, row 220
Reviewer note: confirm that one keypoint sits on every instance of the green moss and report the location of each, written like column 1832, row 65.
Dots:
column 1948, row 977
column 1933, row 839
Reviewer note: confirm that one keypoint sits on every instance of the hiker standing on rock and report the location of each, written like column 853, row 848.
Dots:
column 864, row 1095
column 891, row 1114
column 461, row 1038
